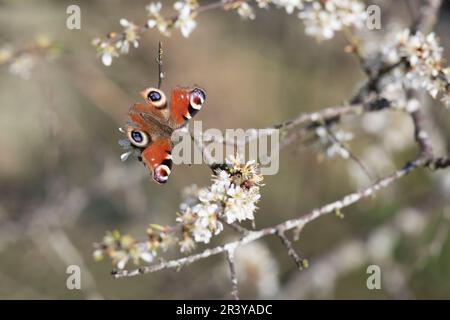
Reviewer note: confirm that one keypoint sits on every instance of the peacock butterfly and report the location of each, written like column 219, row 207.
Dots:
column 152, row 123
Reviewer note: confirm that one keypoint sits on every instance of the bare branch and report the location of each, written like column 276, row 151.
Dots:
column 234, row 281
column 301, row 263
column 160, row 63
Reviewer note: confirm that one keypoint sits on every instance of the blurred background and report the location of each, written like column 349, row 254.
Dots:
column 62, row 184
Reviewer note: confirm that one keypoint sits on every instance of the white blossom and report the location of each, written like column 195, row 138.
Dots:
column 334, row 143
column 154, row 8
column 425, row 64
column 22, row 66
column 323, row 19
column 106, row 51
column 246, row 11
column 232, row 197
column 186, row 16
column 130, row 36
column 289, row 5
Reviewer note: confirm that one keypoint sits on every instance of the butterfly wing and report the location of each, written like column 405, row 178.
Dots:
column 151, row 125
column 184, row 104
column 149, row 132
column 157, row 157
column 148, row 118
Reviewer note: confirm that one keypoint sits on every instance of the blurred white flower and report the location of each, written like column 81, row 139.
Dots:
column 187, row 244
column 6, row 53
column 256, row 267
column 263, row 3
column 130, row 36
column 289, row 5
column 374, row 122
column 186, row 16
column 381, row 243
column 106, row 51
column 410, row 221
column 334, row 144
column 153, row 8
column 22, row 65
column 323, row 18
column 246, row 11
column 156, row 19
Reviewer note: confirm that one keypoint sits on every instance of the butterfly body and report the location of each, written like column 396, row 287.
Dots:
column 152, row 123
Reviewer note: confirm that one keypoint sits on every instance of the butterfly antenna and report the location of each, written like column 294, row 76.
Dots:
column 160, row 63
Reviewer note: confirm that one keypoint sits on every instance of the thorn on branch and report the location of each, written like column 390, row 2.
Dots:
column 234, row 281
column 301, row 263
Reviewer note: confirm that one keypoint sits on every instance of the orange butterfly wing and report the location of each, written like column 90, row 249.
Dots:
column 185, row 103
column 157, row 157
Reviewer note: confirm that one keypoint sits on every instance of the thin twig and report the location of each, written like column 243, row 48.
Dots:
column 301, row 263
column 160, row 63
column 234, row 281
column 420, row 135
column 114, row 37
column 350, row 153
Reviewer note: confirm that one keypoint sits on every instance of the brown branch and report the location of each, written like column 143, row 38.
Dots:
column 420, row 135
column 159, row 62
column 292, row 223
column 114, row 37
column 300, row 262
column 350, row 153
column 313, row 120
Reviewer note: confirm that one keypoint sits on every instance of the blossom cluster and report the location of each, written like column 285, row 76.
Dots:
column 231, row 198
column 423, row 55
column 122, row 248
column 21, row 61
column 333, row 144
column 321, row 18
column 119, row 43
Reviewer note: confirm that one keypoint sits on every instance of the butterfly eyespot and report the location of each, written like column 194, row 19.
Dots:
column 155, row 96
column 197, row 98
column 161, row 173
column 138, row 138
